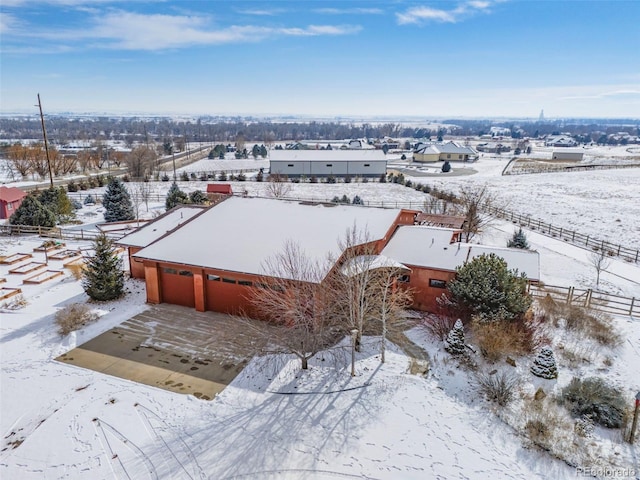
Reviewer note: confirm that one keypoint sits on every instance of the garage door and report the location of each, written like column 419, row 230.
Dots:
column 177, row 286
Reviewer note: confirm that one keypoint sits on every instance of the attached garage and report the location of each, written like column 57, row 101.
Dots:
column 177, row 285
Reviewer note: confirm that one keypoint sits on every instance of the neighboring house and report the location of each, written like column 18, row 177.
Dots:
column 10, row 200
column 560, row 141
column 444, row 151
column 493, row 147
column 323, row 163
column 218, row 191
column 215, row 260
column 500, row 132
column 154, row 230
column 570, row 155
column 433, row 254
column 355, row 144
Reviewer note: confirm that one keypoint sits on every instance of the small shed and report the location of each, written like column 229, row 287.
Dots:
column 218, row 191
column 567, row 155
column 10, row 200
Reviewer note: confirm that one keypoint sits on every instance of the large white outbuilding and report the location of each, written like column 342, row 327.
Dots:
column 324, row 163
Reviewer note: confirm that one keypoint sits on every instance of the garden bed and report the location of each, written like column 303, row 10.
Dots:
column 28, row 267
column 43, row 276
column 64, row 255
column 74, row 262
column 15, row 258
column 49, row 246
column 6, row 292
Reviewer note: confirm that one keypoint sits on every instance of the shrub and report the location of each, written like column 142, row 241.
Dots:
column 72, row 317
column 519, row 240
column 313, row 179
column 76, row 270
column 88, row 200
column 76, row 204
column 544, row 365
column 357, row 200
column 454, row 343
column 383, row 178
column 500, row 387
column 93, row 183
column 165, row 177
column 15, row 303
column 592, row 324
column 438, row 326
column 347, row 179
column 100, row 180
column 497, row 339
column 72, row 186
column 83, row 185
column 241, row 177
column 184, row 176
column 222, row 176
column 593, row 398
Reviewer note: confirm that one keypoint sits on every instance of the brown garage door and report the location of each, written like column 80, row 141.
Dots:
column 177, row 286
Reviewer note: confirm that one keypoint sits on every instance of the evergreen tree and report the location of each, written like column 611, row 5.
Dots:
column 487, row 288
column 446, row 167
column 57, row 200
column 519, row 240
column 117, row 203
column 357, row 200
column 454, row 343
column 544, row 365
column 103, row 277
column 32, row 213
column 198, row 197
column 175, row 196
column 263, row 151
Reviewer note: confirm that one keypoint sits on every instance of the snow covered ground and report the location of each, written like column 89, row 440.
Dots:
column 273, row 421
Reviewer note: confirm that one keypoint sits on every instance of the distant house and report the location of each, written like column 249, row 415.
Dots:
column 218, row 191
column 493, row 147
column 567, row 155
column 10, row 200
column 560, row 141
column 154, row 230
column 451, row 151
column 323, row 163
column 355, row 144
column 500, row 132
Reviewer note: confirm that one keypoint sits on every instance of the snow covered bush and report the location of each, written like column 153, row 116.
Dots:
column 454, row 343
column 592, row 397
column 72, row 317
column 501, row 387
column 519, row 240
column 544, row 365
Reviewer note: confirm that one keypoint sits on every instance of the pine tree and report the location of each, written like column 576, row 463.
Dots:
column 117, row 202
column 519, row 240
column 103, row 277
column 544, row 365
column 175, row 196
column 198, row 197
column 487, row 288
column 454, row 343
column 57, row 200
column 31, row 212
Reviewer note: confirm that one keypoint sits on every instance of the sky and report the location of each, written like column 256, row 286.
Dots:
column 425, row 59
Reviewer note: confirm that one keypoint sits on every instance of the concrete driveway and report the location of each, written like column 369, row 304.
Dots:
column 174, row 348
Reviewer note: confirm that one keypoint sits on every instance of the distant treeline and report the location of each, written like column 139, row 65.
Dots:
column 132, row 130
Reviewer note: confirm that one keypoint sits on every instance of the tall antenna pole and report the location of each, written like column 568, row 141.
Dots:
column 46, row 146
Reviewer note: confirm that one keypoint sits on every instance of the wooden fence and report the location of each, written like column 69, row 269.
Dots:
column 516, row 170
column 57, row 232
column 588, row 298
column 576, row 238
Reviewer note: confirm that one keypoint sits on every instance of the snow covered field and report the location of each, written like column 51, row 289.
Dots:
column 60, row 421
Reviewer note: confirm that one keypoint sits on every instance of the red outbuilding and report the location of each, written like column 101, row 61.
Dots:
column 10, row 200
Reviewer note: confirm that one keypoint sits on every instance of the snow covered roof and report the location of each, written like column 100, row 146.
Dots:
column 431, row 247
column 336, row 155
column 239, row 234
column 155, row 229
column 11, row 194
column 449, row 147
column 362, row 263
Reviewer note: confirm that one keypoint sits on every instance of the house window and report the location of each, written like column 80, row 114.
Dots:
column 228, row 280
column 213, row 278
column 245, row 283
column 367, row 164
column 329, row 164
column 185, row 273
column 435, row 283
column 404, row 279
column 290, row 165
column 448, row 155
column 171, row 271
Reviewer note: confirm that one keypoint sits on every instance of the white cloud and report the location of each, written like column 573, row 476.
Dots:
column 134, row 31
column 423, row 14
column 8, row 23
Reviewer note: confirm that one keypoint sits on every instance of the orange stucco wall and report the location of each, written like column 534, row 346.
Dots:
column 136, row 267
column 424, row 295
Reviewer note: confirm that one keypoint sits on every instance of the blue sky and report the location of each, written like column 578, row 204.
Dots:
column 474, row 58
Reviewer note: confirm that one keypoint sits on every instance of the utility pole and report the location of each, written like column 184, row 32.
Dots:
column 46, row 146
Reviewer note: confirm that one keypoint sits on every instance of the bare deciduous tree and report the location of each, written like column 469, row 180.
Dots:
column 278, row 186
column 140, row 162
column 600, row 262
column 471, row 202
column 18, row 155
